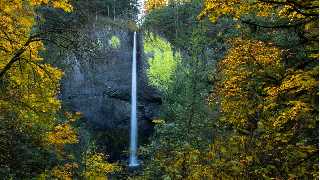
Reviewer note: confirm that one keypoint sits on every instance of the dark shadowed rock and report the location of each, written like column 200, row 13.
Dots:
column 98, row 83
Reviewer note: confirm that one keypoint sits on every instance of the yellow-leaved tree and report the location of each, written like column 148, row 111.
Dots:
column 267, row 89
column 29, row 87
column 150, row 5
column 154, row 4
column 33, row 131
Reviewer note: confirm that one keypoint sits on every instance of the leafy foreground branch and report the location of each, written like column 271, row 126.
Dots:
column 37, row 139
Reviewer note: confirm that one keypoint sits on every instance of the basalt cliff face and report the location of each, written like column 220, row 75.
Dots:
column 98, row 84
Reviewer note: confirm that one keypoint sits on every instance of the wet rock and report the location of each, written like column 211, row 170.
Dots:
column 98, row 83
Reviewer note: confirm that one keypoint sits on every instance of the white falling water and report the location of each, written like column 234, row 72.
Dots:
column 133, row 161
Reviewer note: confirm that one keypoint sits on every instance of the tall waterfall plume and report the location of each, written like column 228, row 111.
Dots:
column 133, row 160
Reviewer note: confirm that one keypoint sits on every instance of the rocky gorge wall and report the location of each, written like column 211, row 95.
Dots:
column 98, row 84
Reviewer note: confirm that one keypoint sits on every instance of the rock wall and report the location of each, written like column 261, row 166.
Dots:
column 98, row 84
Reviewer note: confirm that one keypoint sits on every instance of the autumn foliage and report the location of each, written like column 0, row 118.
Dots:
column 267, row 91
column 34, row 132
column 264, row 94
column 154, row 4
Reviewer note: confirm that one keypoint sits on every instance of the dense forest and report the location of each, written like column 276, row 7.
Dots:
column 227, row 89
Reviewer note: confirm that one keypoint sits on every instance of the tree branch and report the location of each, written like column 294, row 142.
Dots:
column 276, row 26
column 18, row 54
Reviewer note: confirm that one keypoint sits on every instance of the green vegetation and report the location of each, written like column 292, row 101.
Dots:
column 115, row 42
column 163, row 64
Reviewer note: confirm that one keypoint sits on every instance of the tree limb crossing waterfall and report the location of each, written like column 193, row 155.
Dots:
column 133, row 161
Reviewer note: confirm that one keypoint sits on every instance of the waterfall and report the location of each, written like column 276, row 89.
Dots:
column 133, row 161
